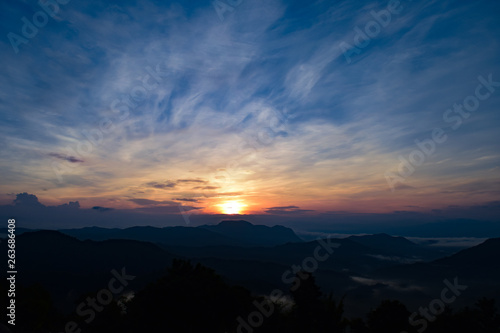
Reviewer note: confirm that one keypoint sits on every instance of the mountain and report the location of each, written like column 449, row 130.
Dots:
column 188, row 236
column 350, row 256
column 226, row 233
column 383, row 241
column 366, row 269
column 477, row 263
column 347, row 271
column 68, row 267
column 482, row 257
column 246, row 233
column 477, row 267
column 400, row 246
column 4, row 231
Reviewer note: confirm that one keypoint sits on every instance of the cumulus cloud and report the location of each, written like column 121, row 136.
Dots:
column 27, row 200
column 29, row 212
column 71, row 205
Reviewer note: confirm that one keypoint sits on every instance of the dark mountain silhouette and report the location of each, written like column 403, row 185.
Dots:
column 261, row 268
column 400, row 245
column 477, row 267
column 67, row 267
column 257, row 235
column 350, row 256
column 482, row 257
column 477, row 263
column 19, row 231
column 236, row 233
column 188, row 236
column 383, row 241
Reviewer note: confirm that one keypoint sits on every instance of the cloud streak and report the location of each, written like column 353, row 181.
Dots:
column 156, row 101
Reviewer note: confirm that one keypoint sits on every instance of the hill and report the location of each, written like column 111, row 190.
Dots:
column 226, row 233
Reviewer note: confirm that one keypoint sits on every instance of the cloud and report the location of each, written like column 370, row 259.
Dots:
column 277, row 108
column 454, row 242
column 148, row 202
column 401, row 186
column 171, row 184
column 205, row 187
column 287, row 210
column 27, row 200
column 395, row 285
column 400, row 260
column 187, row 199
column 102, row 209
column 159, row 210
column 228, row 194
column 162, row 185
column 71, row 159
column 29, row 212
column 71, row 205
column 485, row 211
column 191, row 181
column 284, row 207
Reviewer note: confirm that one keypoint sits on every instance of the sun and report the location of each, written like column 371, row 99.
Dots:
column 231, row 207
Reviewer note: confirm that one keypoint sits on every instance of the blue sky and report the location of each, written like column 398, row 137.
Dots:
column 162, row 104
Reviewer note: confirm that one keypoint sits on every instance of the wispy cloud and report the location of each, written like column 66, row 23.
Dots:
column 148, row 202
column 71, row 159
column 287, row 210
column 262, row 106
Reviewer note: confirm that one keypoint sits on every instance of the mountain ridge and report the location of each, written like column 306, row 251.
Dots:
column 227, row 233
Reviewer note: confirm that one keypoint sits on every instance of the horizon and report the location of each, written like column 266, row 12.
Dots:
column 353, row 146
column 455, row 243
column 476, row 221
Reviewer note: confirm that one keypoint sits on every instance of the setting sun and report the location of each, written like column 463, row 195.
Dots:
column 231, row 207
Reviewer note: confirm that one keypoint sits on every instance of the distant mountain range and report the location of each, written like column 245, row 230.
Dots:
column 364, row 268
column 478, row 263
column 227, row 233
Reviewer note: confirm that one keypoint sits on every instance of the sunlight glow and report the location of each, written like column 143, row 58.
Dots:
column 231, row 207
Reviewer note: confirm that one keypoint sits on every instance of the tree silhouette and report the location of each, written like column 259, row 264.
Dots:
column 390, row 317
column 188, row 299
column 311, row 313
column 487, row 317
column 35, row 310
column 482, row 318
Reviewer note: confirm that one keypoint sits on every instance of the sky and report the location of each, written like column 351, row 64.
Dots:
column 268, row 108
